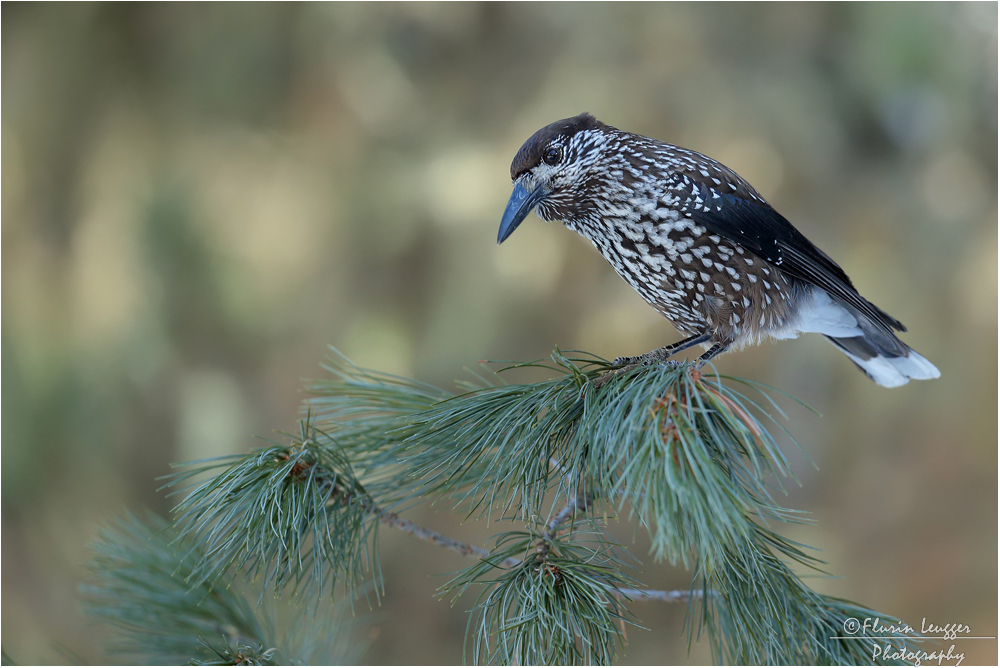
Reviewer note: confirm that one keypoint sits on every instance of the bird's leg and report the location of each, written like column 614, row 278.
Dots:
column 658, row 356
column 664, row 353
column 716, row 349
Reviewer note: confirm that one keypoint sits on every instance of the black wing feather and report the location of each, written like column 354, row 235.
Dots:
column 757, row 227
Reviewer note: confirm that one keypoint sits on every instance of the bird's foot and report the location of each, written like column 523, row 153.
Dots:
column 626, row 364
column 645, row 360
column 601, row 380
column 626, row 361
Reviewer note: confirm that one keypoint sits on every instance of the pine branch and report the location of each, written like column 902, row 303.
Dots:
column 465, row 549
column 675, row 596
column 609, row 439
column 686, row 453
column 139, row 584
column 578, row 505
column 469, row 550
column 243, row 474
column 560, row 604
column 294, row 514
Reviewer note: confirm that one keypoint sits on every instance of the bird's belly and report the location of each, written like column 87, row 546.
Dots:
column 705, row 283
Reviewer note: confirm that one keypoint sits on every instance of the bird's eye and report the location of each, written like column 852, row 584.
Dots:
column 552, row 155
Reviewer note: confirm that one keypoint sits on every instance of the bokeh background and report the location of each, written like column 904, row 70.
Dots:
column 198, row 199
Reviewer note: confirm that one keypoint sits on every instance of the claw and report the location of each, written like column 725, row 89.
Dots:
column 643, row 360
column 608, row 375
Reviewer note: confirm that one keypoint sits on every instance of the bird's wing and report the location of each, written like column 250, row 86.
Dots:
column 744, row 217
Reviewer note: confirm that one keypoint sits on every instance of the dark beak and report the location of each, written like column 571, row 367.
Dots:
column 520, row 205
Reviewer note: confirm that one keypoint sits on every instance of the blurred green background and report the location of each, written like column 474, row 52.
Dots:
column 197, row 199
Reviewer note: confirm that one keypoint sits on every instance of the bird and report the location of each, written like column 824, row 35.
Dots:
column 701, row 246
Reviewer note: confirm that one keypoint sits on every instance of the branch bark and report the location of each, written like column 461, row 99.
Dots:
column 581, row 503
column 423, row 533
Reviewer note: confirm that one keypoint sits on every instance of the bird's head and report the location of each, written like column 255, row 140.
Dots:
column 550, row 170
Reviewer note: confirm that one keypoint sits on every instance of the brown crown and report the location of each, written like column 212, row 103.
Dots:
column 530, row 153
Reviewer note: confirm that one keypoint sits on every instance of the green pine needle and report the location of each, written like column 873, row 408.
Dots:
column 556, row 607
column 765, row 614
column 292, row 515
column 687, row 455
column 139, row 584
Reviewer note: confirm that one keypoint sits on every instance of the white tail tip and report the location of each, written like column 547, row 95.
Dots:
column 895, row 371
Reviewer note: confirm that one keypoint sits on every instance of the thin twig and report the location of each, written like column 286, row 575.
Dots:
column 469, row 550
column 674, row 596
column 423, row 533
column 579, row 504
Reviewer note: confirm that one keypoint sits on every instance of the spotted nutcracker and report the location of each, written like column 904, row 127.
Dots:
column 701, row 246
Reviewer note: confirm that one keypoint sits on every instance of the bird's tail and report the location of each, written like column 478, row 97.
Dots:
column 873, row 348
column 885, row 369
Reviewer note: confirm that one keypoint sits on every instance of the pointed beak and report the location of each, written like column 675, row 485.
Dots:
column 520, row 205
